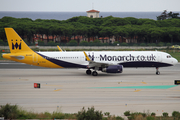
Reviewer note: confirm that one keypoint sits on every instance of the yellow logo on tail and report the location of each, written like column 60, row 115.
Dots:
column 16, row 44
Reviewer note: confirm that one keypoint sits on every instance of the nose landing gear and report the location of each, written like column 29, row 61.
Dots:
column 157, row 71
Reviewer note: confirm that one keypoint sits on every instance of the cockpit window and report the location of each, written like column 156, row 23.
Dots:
column 168, row 56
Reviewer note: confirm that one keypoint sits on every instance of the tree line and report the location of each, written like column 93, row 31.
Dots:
column 9, row 111
column 145, row 30
column 164, row 15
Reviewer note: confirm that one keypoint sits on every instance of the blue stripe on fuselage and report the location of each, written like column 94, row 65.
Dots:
column 63, row 63
column 144, row 64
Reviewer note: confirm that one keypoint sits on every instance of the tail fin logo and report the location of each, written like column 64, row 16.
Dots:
column 91, row 56
column 17, row 46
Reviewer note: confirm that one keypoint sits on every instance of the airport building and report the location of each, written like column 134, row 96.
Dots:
column 93, row 13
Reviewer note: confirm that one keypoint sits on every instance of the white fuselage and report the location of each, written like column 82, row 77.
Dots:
column 125, row 58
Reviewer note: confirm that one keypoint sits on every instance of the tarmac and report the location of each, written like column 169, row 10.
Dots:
column 69, row 90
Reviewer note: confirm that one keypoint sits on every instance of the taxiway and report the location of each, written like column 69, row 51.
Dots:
column 69, row 90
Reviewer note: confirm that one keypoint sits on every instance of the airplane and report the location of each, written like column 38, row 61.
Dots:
column 93, row 61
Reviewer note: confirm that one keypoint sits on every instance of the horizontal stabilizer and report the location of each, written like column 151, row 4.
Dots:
column 17, row 57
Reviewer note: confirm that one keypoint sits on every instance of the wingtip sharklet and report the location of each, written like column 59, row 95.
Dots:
column 59, row 49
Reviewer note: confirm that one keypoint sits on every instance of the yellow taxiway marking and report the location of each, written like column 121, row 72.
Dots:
column 57, row 90
column 137, row 90
column 143, row 82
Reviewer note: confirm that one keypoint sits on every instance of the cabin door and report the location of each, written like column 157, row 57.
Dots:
column 159, row 58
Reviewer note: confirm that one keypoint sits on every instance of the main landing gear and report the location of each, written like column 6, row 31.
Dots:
column 88, row 72
column 157, row 71
column 94, row 73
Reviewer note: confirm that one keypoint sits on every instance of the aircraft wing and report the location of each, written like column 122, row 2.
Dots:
column 97, row 64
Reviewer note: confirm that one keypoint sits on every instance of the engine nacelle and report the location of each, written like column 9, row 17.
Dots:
column 113, row 69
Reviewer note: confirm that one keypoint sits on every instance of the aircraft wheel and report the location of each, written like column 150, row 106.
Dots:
column 157, row 73
column 88, row 72
column 94, row 73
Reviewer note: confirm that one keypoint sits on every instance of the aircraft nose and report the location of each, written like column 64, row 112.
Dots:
column 175, row 61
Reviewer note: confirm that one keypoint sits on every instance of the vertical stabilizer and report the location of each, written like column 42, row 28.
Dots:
column 16, row 44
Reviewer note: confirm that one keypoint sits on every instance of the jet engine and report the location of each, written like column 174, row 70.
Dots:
column 113, row 69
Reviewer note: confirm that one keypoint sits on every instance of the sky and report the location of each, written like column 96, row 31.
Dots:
column 85, row 5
